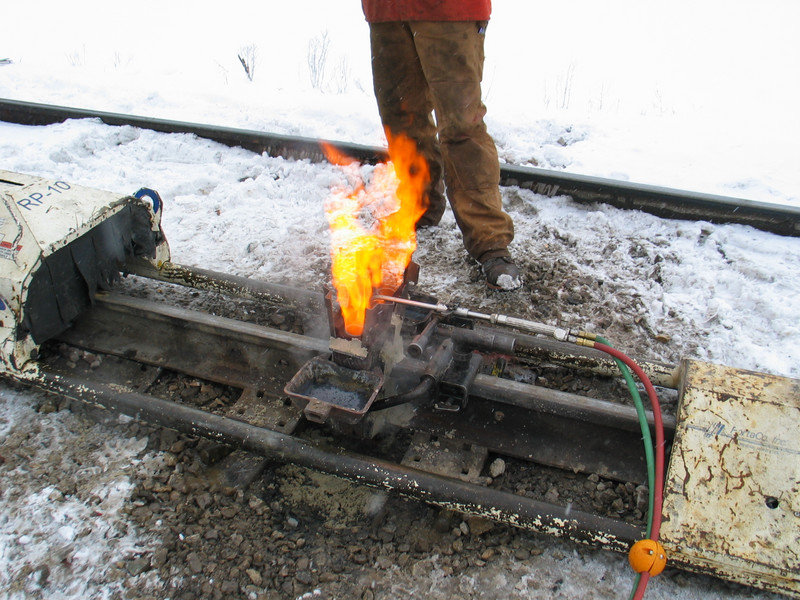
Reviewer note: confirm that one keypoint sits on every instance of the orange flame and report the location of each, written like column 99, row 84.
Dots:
column 373, row 226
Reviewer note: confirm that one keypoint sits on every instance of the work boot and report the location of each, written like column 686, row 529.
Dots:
column 502, row 274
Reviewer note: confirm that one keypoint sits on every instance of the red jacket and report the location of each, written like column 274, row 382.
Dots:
column 377, row 11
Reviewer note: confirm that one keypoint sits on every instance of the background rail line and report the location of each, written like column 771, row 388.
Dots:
column 657, row 200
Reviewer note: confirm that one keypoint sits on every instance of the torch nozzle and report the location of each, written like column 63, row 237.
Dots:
column 564, row 335
column 434, row 307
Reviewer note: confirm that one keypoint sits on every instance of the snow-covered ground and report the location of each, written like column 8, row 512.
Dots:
column 687, row 95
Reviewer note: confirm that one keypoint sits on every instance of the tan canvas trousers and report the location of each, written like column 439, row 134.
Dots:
column 425, row 67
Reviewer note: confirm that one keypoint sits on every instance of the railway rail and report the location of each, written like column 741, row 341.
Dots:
column 444, row 462
column 658, row 200
column 439, row 457
column 142, row 338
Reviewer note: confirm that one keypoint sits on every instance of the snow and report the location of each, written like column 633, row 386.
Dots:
column 58, row 517
column 685, row 95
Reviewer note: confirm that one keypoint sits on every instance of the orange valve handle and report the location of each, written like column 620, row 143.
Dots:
column 647, row 556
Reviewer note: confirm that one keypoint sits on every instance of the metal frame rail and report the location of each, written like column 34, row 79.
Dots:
column 497, row 505
column 256, row 359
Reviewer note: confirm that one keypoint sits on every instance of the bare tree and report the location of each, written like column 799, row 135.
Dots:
column 341, row 75
column 566, row 90
column 247, row 56
column 317, row 58
column 77, row 58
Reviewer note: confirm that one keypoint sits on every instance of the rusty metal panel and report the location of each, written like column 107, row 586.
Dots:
column 265, row 410
column 446, row 457
column 732, row 495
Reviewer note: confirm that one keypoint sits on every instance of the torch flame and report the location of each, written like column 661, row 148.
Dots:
column 372, row 226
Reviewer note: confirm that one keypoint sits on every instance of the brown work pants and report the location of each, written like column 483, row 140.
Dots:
column 424, row 67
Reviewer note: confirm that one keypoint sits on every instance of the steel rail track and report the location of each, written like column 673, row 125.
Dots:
column 657, row 200
column 262, row 360
column 540, row 426
column 311, row 304
column 456, row 495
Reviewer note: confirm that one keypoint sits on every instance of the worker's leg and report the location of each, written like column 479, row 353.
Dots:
column 451, row 57
column 405, row 104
